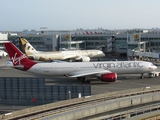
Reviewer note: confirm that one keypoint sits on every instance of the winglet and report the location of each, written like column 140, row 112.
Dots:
column 17, row 57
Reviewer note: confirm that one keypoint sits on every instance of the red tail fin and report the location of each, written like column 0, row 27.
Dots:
column 17, row 57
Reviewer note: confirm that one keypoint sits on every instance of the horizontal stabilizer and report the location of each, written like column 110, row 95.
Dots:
column 19, row 66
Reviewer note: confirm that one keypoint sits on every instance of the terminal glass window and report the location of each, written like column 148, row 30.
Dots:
column 144, row 39
column 90, row 43
column 97, row 43
column 76, row 38
column 120, row 38
column 105, row 37
column 34, row 38
column 49, row 38
column 102, row 43
column 73, row 46
column 132, row 46
column 1, row 45
column 153, row 43
column 151, row 39
column 64, row 45
column 82, row 46
column 38, row 44
column 156, row 38
column 121, row 45
column 91, row 38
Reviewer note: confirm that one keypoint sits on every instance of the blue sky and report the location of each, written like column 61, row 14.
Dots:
column 72, row 14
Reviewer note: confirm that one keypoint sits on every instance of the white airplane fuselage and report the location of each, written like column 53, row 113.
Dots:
column 119, row 67
column 71, row 55
column 106, row 71
column 63, row 55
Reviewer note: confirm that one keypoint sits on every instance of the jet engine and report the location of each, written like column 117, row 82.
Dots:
column 109, row 77
column 85, row 59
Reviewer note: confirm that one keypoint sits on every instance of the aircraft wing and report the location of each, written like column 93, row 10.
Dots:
column 70, row 57
column 87, row 73
column 58, row 61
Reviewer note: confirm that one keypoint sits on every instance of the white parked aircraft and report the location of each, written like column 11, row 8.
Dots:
column 105, row 71
column 3, row 53
column 82, row 55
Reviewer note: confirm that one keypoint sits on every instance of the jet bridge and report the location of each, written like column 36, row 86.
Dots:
column 143, row 55
column 137, row 49
column 147, row 54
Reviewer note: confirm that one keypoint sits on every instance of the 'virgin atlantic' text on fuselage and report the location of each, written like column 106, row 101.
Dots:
column 118, row 65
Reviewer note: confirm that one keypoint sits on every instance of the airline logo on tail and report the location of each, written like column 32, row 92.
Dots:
column 16, row 59
column 27, row 46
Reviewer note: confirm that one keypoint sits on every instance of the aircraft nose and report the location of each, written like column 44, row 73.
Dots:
column 154, row 67
column 102, row 54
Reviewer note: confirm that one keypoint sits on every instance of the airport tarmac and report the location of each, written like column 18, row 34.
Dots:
column 97, row 87
column 125, row 81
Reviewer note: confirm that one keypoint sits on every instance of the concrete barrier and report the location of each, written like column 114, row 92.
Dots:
column 106, row 106
column 133, row 101
column 136, row 100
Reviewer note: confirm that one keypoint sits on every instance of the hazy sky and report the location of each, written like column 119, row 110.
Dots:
column 72, row 14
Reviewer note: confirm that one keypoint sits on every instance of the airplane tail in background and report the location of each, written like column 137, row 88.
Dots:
column 29, row 49
column 17, row 57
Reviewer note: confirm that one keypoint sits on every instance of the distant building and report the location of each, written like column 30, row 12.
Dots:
column 111, row 42
column 3, row 38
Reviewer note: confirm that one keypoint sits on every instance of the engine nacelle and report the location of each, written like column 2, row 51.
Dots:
column 109, row 77
column 85, row 59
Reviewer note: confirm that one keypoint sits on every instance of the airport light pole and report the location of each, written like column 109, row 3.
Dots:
column 69, row 94
column 70, row 39
column 60, row 41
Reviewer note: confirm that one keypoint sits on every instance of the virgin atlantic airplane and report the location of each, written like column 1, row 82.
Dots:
column 106, row 71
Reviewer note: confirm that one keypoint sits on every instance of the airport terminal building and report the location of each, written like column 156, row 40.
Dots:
column 110, row 43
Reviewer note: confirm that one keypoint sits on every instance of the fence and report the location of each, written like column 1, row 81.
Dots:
column 24, row 91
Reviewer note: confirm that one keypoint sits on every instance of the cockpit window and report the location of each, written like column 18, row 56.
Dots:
column 153, row 64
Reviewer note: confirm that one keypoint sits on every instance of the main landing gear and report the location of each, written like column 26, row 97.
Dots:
column 84, row 80
column 142, row 76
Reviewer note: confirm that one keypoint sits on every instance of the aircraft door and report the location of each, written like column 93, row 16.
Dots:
column 88, row 53
column 37, row 68
column 93, row 53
